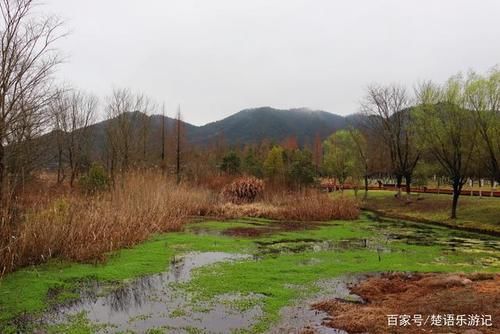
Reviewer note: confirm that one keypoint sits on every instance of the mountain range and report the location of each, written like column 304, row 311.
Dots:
column 254, row 125
column 245, row 127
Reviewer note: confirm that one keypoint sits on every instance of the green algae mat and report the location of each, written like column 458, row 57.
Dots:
column 230, row 276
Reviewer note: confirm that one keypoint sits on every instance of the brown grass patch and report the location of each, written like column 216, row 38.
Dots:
column 306, row 206
column 80, row 228
column 424, row 294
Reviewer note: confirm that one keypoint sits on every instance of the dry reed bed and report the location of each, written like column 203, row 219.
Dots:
column 81, row 228
column 85, row 228
column 307, row 206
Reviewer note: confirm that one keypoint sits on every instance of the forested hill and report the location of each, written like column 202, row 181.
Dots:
column 245, row 127
column 254, row 125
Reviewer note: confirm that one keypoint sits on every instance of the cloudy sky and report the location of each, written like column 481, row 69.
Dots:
column 217, row 57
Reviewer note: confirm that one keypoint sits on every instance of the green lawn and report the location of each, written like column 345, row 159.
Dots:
column 473, row 212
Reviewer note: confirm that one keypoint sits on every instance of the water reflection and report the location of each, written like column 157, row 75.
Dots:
column 156, row 302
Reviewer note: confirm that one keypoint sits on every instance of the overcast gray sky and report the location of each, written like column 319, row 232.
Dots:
column 220, row 56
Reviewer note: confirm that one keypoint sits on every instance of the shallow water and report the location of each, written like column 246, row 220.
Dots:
column 427, row 235
column 156, row 302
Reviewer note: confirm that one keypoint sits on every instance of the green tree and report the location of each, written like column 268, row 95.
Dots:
column 301, row 170
column 425, row 171
column 95, row 180
column 362, row 152
column 447, row 131
column 341, row 157
column 274, row 166
column 482, row 98
column 252, row 165
column 231, row 163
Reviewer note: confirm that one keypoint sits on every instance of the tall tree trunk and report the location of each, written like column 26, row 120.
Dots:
column 72, row 178
column 72, row 166
column 60, row 172
column 163, row 138
column 366, row 186
column 178, row 151
column 408, row 183
column 399, row 181
column 2, row 173
column 112, row 167
column 480, row 188
column 457, row 187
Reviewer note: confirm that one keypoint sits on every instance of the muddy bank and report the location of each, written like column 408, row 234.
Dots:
column 418, row 295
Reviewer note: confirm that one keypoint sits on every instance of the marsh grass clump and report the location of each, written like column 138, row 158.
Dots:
column 318, row 207
column 303, row 206
column 85, row 228
column 243, row 190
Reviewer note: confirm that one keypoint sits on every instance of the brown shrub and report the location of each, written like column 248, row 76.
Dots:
column 243, row 190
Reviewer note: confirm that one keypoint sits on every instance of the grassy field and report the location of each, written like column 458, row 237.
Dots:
column 283, row 267
column 473, row 212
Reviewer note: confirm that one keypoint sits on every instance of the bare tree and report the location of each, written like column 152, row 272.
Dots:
column 163, row 135
column 24, row 150
column 389, row 111
column 178, row 135
column 74, row 112
column 144, row 106
column 127, row 128
column 58, row 109
column 27, row 61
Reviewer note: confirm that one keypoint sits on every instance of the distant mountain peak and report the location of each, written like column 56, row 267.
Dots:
column 255, row 124
column 262, row 109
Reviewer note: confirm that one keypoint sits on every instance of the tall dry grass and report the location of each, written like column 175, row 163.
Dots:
column 72, row 226
column 82, row 228
column 310, row 205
